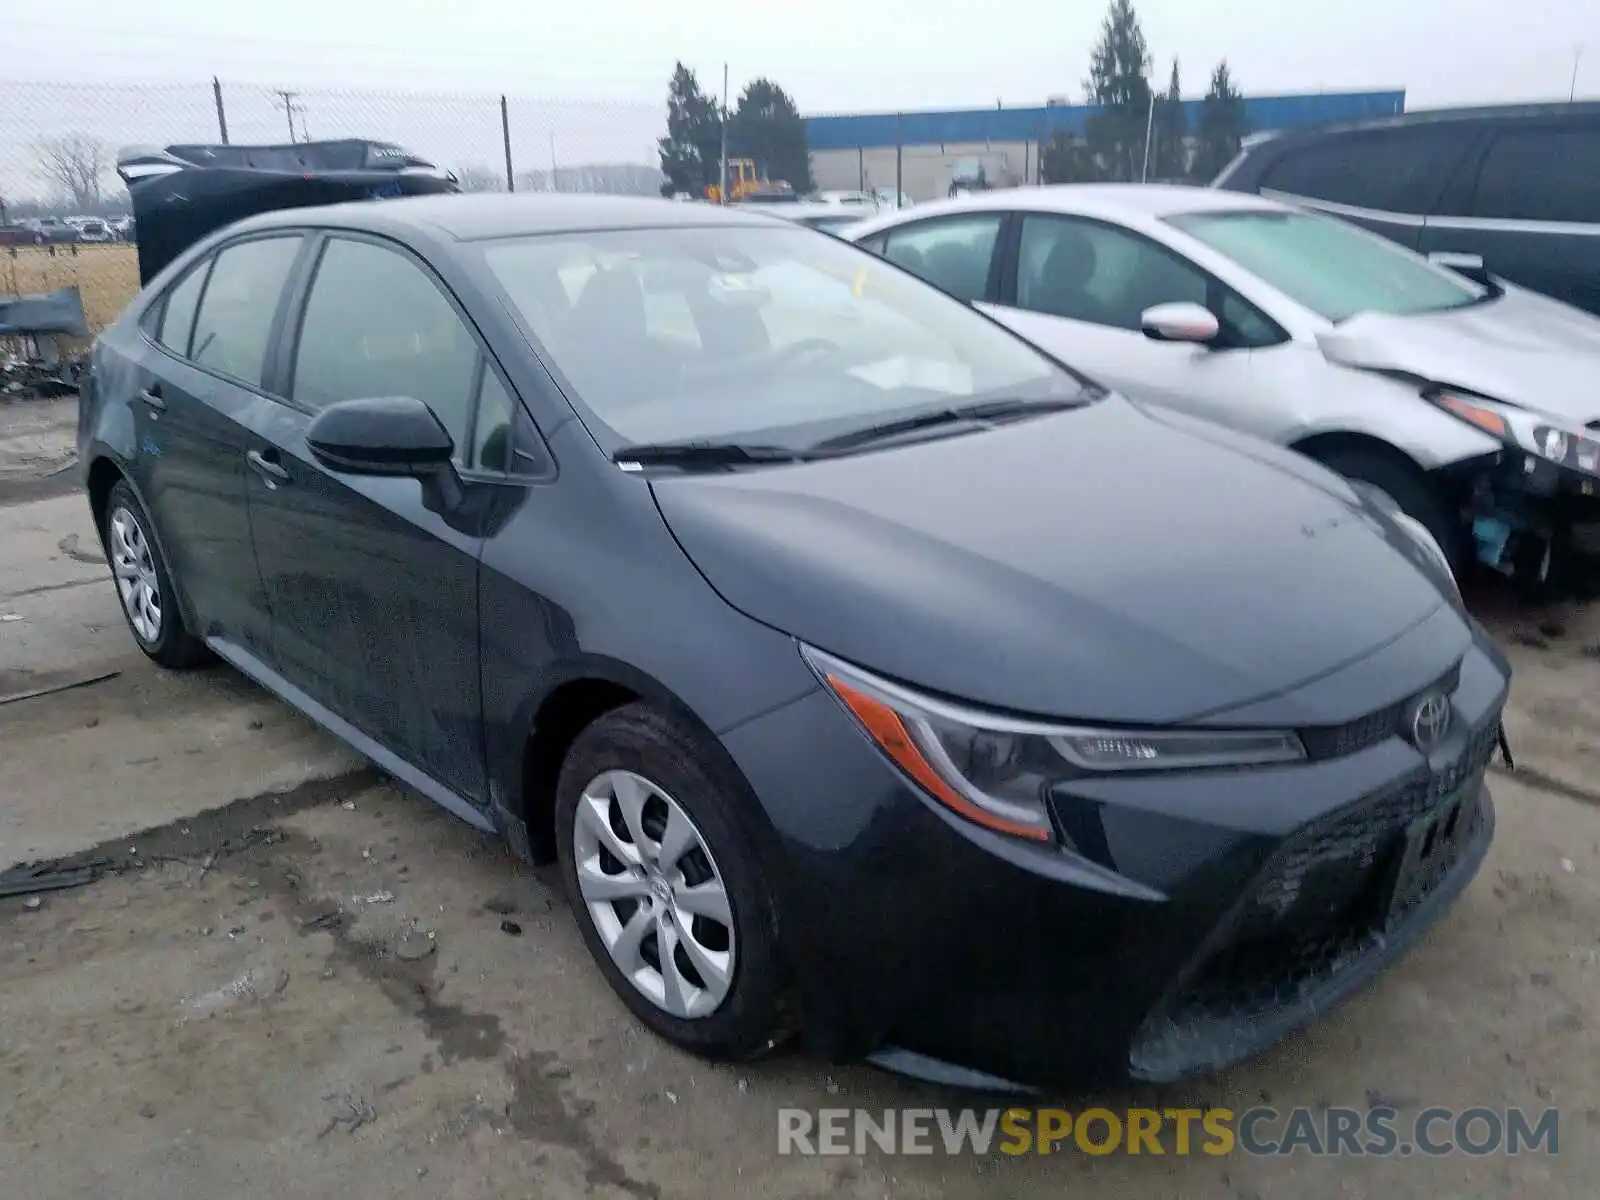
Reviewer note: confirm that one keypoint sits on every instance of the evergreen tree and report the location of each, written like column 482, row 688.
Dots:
column 1223, row 125
column 1169, row 156
column 767, row 127
column 691, row 153
column 1118, row 86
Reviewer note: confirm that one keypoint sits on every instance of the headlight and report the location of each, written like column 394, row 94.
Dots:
column 1526, row 430
column 997, row 771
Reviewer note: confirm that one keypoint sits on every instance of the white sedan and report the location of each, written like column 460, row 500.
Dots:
column 1471, row 403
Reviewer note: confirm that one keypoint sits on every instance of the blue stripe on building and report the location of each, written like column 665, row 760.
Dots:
column 868, row 130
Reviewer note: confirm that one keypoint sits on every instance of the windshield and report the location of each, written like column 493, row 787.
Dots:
column 1334, row 269
column 753, row 334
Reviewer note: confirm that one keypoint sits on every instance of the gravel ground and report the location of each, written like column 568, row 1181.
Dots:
column 294, row 979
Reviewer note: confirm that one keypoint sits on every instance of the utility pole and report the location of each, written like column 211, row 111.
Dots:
column 222, row 116
column 555, row 185
column 722, row 189
column 288, row 108
column 505, row 134
column 1572, row 92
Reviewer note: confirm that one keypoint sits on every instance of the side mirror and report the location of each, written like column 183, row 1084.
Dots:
column 1182, row 322
column 1470, row 265
column 388, row 435
column 384, row 435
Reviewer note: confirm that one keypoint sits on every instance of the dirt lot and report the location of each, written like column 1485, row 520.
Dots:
column 107, row 276
column 296, row 980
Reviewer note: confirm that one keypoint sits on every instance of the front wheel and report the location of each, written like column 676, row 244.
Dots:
column 661, row 868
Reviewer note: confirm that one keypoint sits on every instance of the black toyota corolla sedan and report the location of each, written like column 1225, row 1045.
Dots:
column 872, row 677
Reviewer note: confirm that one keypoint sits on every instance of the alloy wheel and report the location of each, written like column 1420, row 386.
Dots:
column 654, row 893
column 133, row 565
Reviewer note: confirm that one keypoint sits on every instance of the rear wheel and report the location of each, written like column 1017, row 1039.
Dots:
column 661, row 868
column 1411, row 492
column 149, row 602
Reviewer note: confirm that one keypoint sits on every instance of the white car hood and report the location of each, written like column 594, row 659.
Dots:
column 1522, row 348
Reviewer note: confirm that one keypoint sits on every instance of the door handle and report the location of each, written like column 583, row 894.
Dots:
column 152, row 397
column 273, row 472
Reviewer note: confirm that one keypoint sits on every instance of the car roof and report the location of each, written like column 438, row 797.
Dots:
column 473, row 217
column 1583, row 109
column 1115, row 201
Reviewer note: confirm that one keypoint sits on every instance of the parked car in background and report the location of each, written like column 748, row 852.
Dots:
column 55, row 230
column 92, row 229
column 1517, row 186
column 891, row 198
column 861, row 200
column 828, row 217
column 121, row 227
column 1470, row 403
column 876, row 679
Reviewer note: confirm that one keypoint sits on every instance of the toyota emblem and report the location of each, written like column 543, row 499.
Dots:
column 1430, row 721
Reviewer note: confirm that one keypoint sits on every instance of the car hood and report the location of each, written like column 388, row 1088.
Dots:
column 1104, row 563
column 1523, row 348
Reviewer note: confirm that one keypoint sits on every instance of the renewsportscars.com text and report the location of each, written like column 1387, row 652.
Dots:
column 1371, row 1132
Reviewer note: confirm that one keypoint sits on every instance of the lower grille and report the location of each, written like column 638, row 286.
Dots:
column 1327, row 902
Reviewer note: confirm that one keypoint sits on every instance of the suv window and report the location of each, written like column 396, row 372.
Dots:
column 953, row 253
column 1393, row 170
column 177, row 315
column 376, row 325
column 234, row 324
column 1541, row 174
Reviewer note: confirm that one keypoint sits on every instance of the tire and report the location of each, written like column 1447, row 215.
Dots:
column 1410, row 490
column 639, row 742
column 140, row 576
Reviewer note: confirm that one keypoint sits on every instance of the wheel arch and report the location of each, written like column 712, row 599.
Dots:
column 104, row 473
column 566, row 703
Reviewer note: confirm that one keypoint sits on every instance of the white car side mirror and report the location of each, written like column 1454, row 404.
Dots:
column 1182, row 322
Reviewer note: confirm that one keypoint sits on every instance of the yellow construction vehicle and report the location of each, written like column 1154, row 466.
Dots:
column 746, row 179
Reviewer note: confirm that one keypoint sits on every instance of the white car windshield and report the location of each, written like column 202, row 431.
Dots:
column 749, row 333
column 1334, row 269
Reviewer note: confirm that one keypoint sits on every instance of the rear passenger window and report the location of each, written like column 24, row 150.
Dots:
column 235, row 320
column 1541, row 174
column 1392, row 170
column 377, row 325
column 177, row 318
column 953, row 253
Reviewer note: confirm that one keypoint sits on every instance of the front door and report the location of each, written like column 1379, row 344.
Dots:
column 1078, row 288
column 374, row 597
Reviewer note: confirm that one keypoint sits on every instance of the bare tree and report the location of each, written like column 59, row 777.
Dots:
column 76, row 163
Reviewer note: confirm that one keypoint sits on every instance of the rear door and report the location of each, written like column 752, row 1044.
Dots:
column 1532, row 210
column 201, row 368
column 1386, row 180
column 374, row 597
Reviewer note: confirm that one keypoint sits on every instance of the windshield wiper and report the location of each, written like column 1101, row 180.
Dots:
column 954, row 414
column 702, row 454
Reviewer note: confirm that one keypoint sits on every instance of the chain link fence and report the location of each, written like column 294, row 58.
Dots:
column 59, row 144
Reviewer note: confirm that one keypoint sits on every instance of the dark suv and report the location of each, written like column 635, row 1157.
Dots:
column 1518, row 187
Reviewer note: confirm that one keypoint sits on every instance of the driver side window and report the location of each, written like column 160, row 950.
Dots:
column 375, row 325
column 1099, row 274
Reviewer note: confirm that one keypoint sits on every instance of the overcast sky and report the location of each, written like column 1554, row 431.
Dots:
column 588, row 80
column 832, row 55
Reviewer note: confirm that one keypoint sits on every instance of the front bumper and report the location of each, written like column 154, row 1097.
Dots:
column 1536, row 520
column 1201, row 918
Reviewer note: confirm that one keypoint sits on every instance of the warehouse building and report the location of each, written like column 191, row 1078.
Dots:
column 922, row 149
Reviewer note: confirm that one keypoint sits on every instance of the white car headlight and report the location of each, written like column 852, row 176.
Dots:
column 1529, row 431
column 997, row 771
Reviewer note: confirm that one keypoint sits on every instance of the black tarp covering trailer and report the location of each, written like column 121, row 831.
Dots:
column 182, row 193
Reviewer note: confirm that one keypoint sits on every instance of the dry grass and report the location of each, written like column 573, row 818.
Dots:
column 107, row 276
